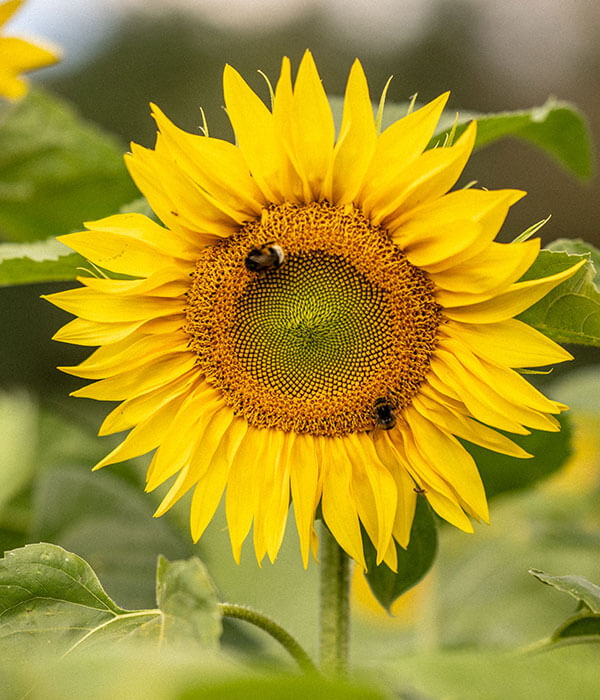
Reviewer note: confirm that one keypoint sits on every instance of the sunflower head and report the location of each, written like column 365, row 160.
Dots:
column 316, row 320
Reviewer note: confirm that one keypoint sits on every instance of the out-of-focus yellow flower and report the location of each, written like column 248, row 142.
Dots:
column 582, row 470
column 18, row 55
column 404, row 611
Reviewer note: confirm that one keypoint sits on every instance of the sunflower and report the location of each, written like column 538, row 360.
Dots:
column 316, row 321
column 18, row 55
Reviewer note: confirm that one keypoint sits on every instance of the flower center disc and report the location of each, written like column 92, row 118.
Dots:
column 310, row 346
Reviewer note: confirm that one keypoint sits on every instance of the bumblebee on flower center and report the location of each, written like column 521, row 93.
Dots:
column 312, row 344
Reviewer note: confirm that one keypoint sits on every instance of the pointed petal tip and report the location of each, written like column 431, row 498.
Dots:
column 237, row 555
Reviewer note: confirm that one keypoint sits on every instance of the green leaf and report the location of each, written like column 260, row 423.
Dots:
column 51, row 597
column 413, row 562
column 576, row 586
column 570, row 313
column 56, row 170
column 187, row 599
column 51, row 260
column 38, row 261
column 557, row 127
column 501, row 473
column 585, row 626
column 582, row 628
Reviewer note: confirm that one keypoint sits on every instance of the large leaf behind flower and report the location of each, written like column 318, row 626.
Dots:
column 557, row 127
column 56, row 170
column 49, row 596
column 570, row 313
column 413, row 562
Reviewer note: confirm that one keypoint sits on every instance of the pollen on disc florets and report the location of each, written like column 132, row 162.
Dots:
column 312, row 345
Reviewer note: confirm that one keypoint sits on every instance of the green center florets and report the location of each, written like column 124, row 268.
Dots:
column 312, row 345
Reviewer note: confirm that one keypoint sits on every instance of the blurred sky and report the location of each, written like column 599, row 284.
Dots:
column 545, row 38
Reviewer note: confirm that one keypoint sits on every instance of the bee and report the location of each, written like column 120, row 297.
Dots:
column 384, row 414
column 268, row 256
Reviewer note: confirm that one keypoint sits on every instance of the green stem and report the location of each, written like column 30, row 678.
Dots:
column 335, row 605
column 241, row 612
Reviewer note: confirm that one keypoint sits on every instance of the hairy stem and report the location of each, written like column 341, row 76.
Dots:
column 335, row 606
column 253, row 617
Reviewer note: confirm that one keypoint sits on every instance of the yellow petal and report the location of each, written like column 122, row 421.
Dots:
column 96, row 306
column 187, row 428
column 177, row 201
column 394, row 460
column 511, row 343
column 291, row 185
column 20, row 55
column 210, row 433
column 356, row 144
column 449, row 377
column 138, row 381
column 337, row 502
column 126, row 355
column 146, row 435
column 242, row 495
column 449, row 214
column 255, row 135
column 439, row 494
column 426, row 248
column 123, row 254
column 8, row 9
column 430, row 176
column 498, row 266
column 304, row 483
column 82, row 332
column 11, row 86
column 450, row 459
column 396, row 149
column 382, row 486
column 210, row 487
column 216, row 166
column 447, row 509
column 273, row 495
column 464, row 427
column 312, row 129
column 506, row 382
column 168, row 282
column 138, row 409
column 516, row 299
column 503, row 412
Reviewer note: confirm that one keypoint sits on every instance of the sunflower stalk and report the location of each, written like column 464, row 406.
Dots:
column 335, row 606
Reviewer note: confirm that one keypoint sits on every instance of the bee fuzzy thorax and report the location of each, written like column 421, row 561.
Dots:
column 267, row 256
column 384, row 414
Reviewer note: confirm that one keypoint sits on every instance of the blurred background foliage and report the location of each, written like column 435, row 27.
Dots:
column 119, row 56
